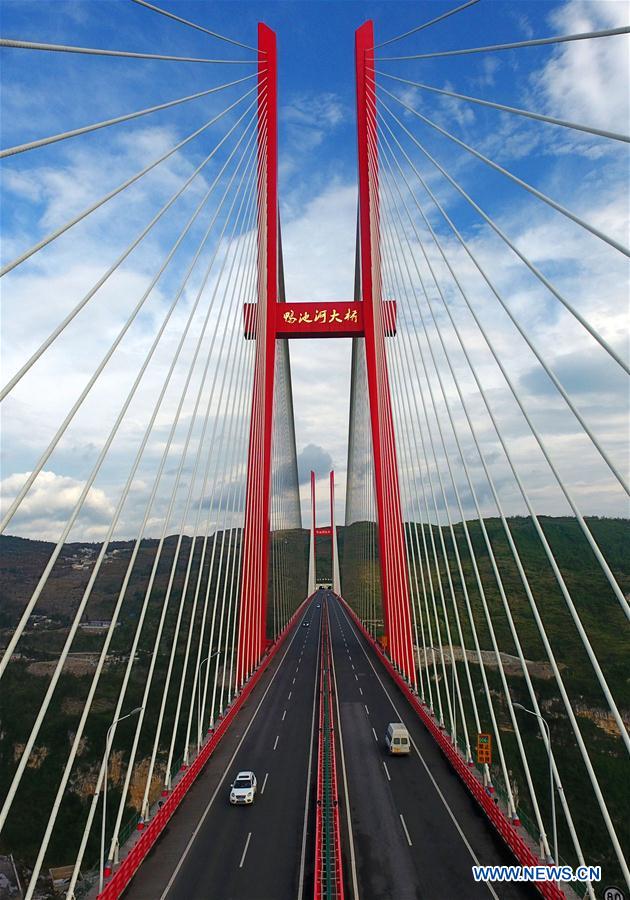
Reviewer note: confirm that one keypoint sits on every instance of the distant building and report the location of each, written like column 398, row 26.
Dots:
column 60, row 878
column 97, row 625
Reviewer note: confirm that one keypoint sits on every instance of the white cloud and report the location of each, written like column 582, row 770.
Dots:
column 46, row 508
column 587, row 81
column 319, row 222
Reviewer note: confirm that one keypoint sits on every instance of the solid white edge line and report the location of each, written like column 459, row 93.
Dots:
column 223, row 777
column 415, row 747
column 249, row 837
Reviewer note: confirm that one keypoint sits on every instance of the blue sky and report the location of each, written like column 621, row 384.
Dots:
column 44, row 93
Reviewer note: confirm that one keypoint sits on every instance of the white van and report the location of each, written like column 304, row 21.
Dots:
column 397, row 739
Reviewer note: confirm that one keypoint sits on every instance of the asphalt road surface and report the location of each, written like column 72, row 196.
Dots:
column 264, row 851
column 409, row 828
column 413, row 832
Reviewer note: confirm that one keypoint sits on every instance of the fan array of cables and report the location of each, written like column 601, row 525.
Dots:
column 488, row 251
column 147, row 353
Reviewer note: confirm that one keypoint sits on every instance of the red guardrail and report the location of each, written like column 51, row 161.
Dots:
column 132, row 861
column 508, row 831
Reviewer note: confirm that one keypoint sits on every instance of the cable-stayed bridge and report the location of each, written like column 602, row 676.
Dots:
column 207, row 632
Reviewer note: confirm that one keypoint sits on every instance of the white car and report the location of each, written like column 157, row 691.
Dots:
column 243, row 789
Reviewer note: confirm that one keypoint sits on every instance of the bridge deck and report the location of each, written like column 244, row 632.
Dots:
column 213, row 850
column 416, row 831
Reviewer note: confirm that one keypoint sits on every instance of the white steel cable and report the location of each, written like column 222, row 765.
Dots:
column 533, row 269
column 540, row 625
column 512, row 177
column 440, row 18
column 87, row 129
column 401, row 583
column 432, row 537
column 233, row 687
column 415, row 598
column 528, row 340
column 202, row 498
column 28, row 482
column 155, row 342
column 550, row 120
column 583, row 526
column 194, row 25
column 522, row 574
column 200, row 445
column 53, row 235
column 77, row 508
column 123, row 256
column 406, row 479
column 142, row 614
column 194, row 688
column 498, row 579
column 238, row 597
column 231, row 598
column 78, row 617
column 453, row 538
column 516, row 45
column 488, row 695
column 405, row 444
column 547, row 647
column 569, row 601
column 149, row 589
column 168, row 773
column 222, row 642
column 404, row 427
column 237, row 500
column 245, row 640
column 127, row 54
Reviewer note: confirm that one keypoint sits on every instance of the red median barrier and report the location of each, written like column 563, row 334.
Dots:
column 508, row 831
column 322, row 888
column 132, row 861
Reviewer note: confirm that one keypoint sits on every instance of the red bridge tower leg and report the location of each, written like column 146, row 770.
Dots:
column 252, row 636
column 391, row 538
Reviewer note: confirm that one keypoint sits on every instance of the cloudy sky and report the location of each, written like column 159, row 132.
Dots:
column 46, row 93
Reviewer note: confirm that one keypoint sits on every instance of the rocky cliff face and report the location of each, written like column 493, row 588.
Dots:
column 83, row 783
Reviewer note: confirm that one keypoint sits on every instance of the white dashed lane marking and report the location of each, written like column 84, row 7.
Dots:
column 404, row 825
column 249, row 837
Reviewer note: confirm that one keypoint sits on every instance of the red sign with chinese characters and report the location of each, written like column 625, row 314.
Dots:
column 324, row 531
column 319, row 320
column 311, row 320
